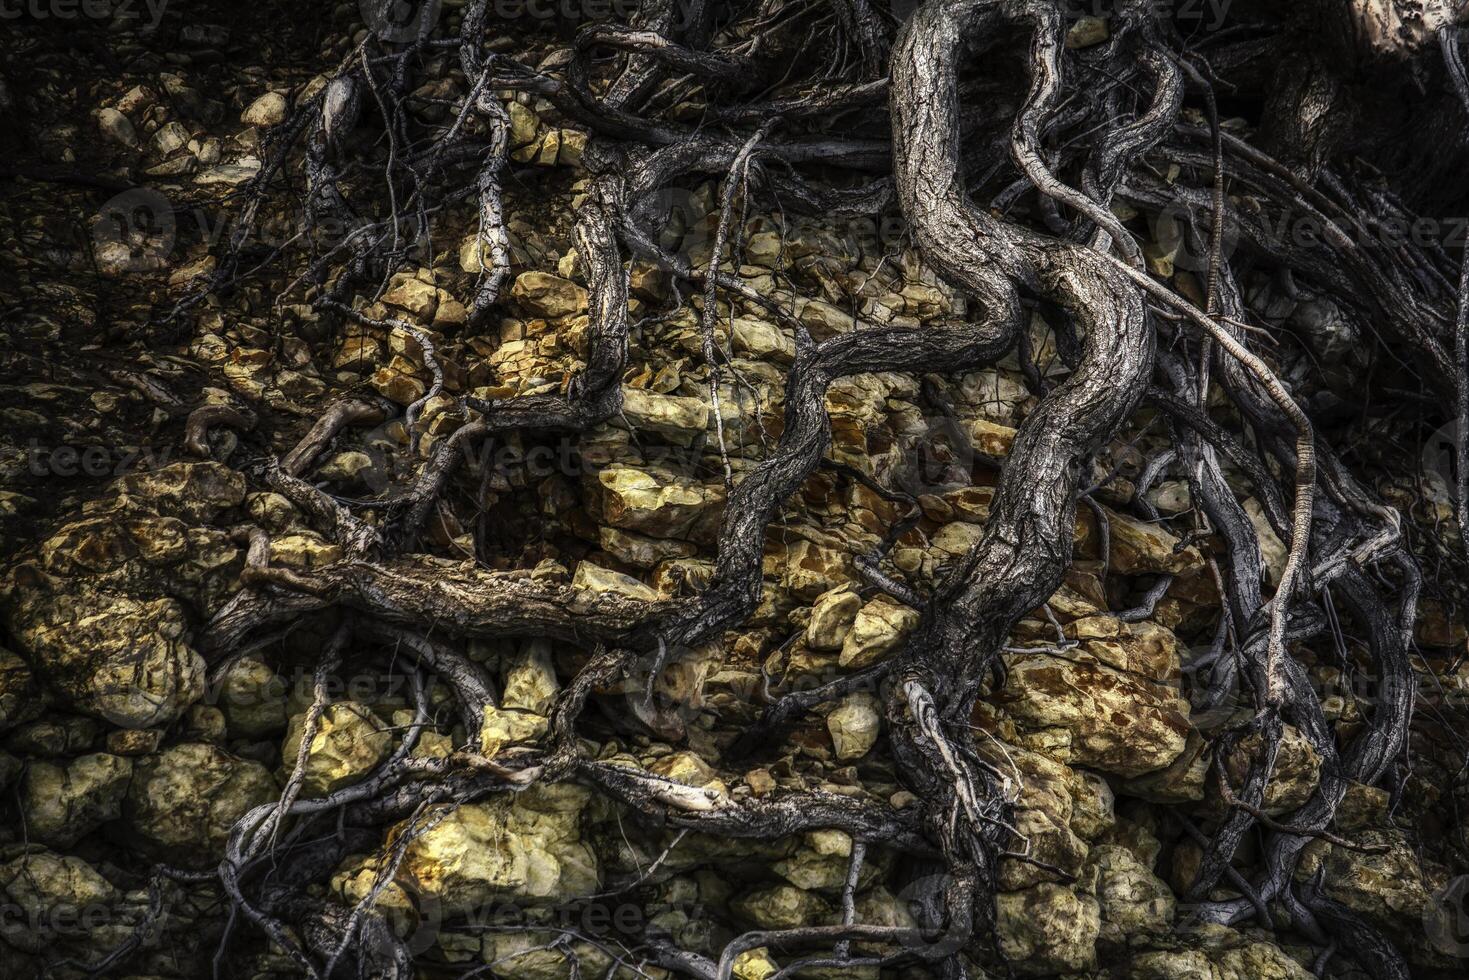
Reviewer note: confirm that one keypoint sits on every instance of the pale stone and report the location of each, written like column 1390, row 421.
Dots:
column 755, row 964
column 1139, row 548
column 303, row 552
column 502, row 728
column 345, row 467
column 414, row 295
column 879, row 628
column 268, row 110
column 1119, row 723
column 518, row 846
column 1249, row 961
column 37, row 887
column 782, row 907
column 854, row 725
column 1384, row 886
column 1272, row 549
column 1045, row 792
column 1087, row 31
column 20, row 698
column 811, row 569
column 60, row 805
column 253, row 700
column 530, row 678
column 832, row 616
column 523, row 125
column 641, row 550
column 170, row 137
column 1134, row 902
column 184, row 801
column 124, row 660
column 679, row 419
column 1295, row 776
column 545, row 295
column 117, row 127
column 662, row 508
column 759, row 339
column 544, row 955
column 599, row 579
column 1048, row 929
column 348, row 743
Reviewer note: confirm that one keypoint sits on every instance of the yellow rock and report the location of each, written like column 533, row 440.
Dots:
column 349, row 742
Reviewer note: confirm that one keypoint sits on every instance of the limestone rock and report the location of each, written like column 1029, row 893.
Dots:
column 349, row 743
column 530, row 678
column 1139, row 547
column 1294, row 778
column 809, row 569
column 640, row 550
column 822, row 862
column 61, row 805
column 524, row 846
column 763, row 340
column 132, row 550
column 1134, row 902
column 879, row 628
column 344, row 467
column 544, row 955
column 253, row 700
column 504, row 727
column 1119, row 723
column 1386, row 888
column 781, row 907
column 545, row 295
column 268, row 110
column 414, row 295
column 123, row 659
column 20, row 696
column 666, row 507
column 1087, row 31
column 1181, row 781
column 599, row 579
column 117, row 127
column 689, row 769
column 192, row 491
column 46, row 895
column 1093, row 811
column 1140, row 648
column 854, row 725
column 832, row 616
column 1044, row 812
column 184, row 800
column 678, row 419
column 1272, row 549
column 754, row 964
column 1248, row 961
column 1047, row 930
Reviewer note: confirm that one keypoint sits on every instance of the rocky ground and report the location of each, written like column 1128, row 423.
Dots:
column 152, row 716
